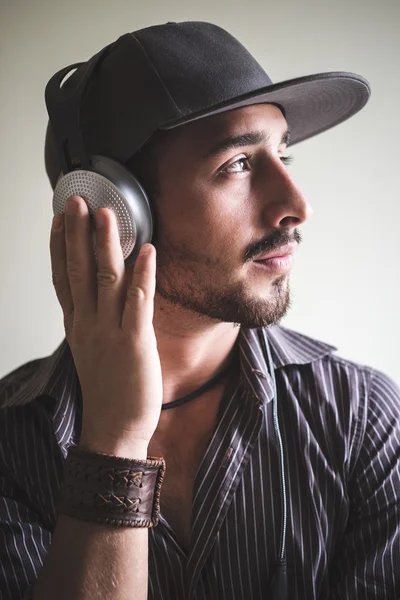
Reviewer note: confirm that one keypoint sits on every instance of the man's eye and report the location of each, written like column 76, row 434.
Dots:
column 235, row 166
column 287, row 160
column 230, row 169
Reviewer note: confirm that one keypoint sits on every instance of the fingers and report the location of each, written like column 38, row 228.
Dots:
column 139, row 302
column 73, row 263
column 58, row 256
column 81, row 265
column 118, row 297
column 110, row 267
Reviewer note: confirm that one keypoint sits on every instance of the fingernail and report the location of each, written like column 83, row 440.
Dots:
column 145, row 249
column 57, row 222
column 71, row 206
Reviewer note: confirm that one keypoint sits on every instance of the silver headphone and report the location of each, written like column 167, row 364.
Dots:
column 100, row 181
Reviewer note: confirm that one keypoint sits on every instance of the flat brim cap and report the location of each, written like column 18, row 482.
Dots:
column 166, row 76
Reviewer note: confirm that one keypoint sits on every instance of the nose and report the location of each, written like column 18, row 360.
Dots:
column 284, row 203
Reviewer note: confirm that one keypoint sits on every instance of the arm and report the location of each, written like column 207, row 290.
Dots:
column 89, row 561
column 108, row 323
column 80, row 560
column 24, row 543
column 367, row 564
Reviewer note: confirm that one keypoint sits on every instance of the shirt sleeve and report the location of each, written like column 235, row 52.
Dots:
column 24, row 543
column 367, row 564
column 28, row 481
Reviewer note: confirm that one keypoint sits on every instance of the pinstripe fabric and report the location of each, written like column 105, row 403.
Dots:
column 341, row 433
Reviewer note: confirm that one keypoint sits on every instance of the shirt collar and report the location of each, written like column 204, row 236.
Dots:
column 287, row 347
column 55, row 375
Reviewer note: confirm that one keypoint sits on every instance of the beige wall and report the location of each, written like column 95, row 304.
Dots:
column 346, row 276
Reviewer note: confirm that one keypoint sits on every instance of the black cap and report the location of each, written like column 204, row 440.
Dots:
column 164, row 76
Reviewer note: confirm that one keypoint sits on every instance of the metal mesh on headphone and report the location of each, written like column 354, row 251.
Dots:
column 98, row 192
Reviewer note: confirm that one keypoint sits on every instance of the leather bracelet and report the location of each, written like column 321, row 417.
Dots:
column 116, row 491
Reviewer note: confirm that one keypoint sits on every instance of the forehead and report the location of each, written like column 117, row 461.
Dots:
column 200, row 136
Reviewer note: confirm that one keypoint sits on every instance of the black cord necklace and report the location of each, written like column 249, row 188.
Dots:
column 198, row 392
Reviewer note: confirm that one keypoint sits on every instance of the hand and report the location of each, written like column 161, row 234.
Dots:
column 108, row 320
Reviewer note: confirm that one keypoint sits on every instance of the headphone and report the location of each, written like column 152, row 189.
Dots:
column 105, row 183
column 101, row 181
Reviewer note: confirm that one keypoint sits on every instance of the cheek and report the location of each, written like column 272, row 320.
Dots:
column 230, row 209
column 220, row 213
column 225, row 202
column 227, row 222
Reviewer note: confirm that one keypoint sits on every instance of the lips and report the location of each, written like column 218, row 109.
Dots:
column 282, row 251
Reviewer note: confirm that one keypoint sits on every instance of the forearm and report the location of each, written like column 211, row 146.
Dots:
column 91, row 561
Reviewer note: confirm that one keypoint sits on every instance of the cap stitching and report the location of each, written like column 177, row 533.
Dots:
column 158, row 75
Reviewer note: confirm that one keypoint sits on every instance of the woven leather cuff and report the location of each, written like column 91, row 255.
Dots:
column 112, row 490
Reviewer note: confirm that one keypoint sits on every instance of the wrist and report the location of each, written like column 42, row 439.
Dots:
column 114, row 446
column 109, row 489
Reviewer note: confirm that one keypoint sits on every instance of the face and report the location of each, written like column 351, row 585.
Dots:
column 219, row 210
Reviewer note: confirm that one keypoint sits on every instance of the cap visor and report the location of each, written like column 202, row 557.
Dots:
column 312, row 104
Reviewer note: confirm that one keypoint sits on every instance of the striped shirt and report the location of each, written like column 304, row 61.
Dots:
column 340, row 428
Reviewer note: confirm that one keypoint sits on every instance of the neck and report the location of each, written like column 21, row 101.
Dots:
column 192, row 348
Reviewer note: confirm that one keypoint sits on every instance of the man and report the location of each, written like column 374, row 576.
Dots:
column 192, row 312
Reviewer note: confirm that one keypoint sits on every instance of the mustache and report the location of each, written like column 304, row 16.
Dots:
column 273, row 242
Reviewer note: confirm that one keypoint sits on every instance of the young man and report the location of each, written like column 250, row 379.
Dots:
column 279, row 454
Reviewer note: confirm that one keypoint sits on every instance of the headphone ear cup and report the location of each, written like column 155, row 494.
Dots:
column 109, row 184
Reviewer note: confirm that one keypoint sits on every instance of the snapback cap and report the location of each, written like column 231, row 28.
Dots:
column 165, row 76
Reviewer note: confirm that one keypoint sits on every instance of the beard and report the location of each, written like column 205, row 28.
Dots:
column 199, row 284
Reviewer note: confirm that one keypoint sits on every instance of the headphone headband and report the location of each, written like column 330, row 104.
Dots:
column 63, row 106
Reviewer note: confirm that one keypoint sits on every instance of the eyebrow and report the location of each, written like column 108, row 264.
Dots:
column 250, row 138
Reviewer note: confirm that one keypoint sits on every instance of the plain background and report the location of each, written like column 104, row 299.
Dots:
column 345, row 280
